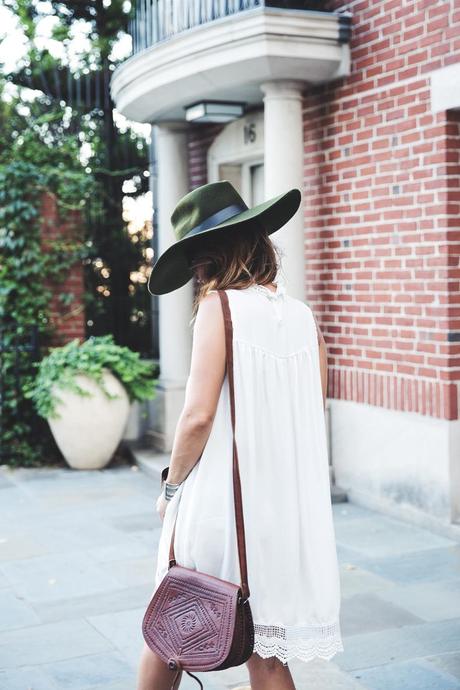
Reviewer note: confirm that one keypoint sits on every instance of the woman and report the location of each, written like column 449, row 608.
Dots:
column 280, row 379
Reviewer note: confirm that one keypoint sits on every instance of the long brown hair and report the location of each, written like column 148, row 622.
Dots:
column 233, row 259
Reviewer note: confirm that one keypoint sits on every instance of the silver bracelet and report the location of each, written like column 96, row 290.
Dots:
column 170, row 490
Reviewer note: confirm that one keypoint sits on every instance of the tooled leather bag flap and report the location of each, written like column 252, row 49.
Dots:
column 191, row 619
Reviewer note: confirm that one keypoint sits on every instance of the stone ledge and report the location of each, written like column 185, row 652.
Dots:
column 150, row 461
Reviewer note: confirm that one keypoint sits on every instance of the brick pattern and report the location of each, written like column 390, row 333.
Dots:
column 69, row 320
column 381, row 204
column 381, row 201
column 200, row 137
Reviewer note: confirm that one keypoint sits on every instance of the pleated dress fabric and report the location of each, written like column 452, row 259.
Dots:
column 281, row 439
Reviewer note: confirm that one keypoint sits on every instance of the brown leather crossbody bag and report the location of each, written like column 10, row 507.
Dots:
column 195, row 621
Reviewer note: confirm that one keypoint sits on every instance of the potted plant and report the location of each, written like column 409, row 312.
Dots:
column 84, row 390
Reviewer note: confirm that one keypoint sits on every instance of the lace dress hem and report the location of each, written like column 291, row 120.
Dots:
column 304, row 643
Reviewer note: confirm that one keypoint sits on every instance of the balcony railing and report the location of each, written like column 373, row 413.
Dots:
column 155, row 21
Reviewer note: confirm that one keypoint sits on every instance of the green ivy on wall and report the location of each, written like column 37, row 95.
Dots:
column 27, row 275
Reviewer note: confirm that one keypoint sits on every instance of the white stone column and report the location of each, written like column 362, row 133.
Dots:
column 284, row 152
column 175, row 308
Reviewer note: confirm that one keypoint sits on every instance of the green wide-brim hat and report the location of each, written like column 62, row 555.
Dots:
column 205, row 211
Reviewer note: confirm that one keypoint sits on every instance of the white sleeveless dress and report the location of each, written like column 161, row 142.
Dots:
column 281, row 438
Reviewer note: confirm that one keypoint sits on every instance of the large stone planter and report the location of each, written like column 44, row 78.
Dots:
column 89, row 429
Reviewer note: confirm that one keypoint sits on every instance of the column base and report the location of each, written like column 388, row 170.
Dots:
column 165, row 411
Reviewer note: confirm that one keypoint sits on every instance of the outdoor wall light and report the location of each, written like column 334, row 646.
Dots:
column 214, row 111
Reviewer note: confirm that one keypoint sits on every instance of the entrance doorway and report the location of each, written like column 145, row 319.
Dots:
column 257, row 184
column 247, row 178
column 237, row 154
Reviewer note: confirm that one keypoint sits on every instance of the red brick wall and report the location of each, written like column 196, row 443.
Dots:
column 200, row 138
column 382, row 203
column 68, row 320
column 382, row 207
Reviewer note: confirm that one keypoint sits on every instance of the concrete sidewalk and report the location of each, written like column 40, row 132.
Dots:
column 77, row 558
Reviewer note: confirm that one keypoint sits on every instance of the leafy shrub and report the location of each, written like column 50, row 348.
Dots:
column 91, row 357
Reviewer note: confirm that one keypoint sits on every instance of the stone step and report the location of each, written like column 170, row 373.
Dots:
column 338, row 495
column 150, row 461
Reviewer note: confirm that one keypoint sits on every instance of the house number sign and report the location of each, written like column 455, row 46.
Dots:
column 250, row 133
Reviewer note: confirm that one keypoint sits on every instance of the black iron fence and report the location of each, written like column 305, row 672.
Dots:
column 19, row 349
column 157, row 20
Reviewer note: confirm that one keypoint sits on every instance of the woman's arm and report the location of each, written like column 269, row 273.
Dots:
column 207, row 370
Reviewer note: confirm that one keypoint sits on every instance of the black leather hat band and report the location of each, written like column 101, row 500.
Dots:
column 222, row 215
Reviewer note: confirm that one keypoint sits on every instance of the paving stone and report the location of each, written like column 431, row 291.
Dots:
column 367, row 612
column 379, row 535
column 93, row 605
column 141, row 522
column 41, row 644
column 320, row 674
column 94, row 671
column 123, row 685
column 431, row 601
column 65, row 575
column 430, row 565
column 135, row 571
column 408, row 675
column 347, row 555
column 15, row 612
column 131, row 547
column 124, row 631
column 314, row 675
column 51, row 497
column 75, row 534
column 14, row 504
column 3, row 582
column 356, row 580
column 5, row 480
column 449, row 663
column 150, row 538
column 209, row 683
column 399, row 644
column 343, row 512
column 26, row 678
column 48, row 536
column 91, row 498
column 99, row 531
column 19, row 545
column 31, row 474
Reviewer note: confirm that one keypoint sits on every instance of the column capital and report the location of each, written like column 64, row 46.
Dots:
column 283, row 88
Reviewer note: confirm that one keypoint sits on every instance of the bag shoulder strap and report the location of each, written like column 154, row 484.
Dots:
column 239, row 518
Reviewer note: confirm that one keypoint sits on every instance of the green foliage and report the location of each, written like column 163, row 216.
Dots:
column 35, row 157
column 73, row 79
column 59, row 368
column 24, row 303
column 51, row 141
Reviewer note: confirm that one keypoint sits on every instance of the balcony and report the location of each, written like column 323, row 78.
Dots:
column 155, row 21
column 186, row 50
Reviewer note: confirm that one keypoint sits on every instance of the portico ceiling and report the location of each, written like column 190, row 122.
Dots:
column 228, row 59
